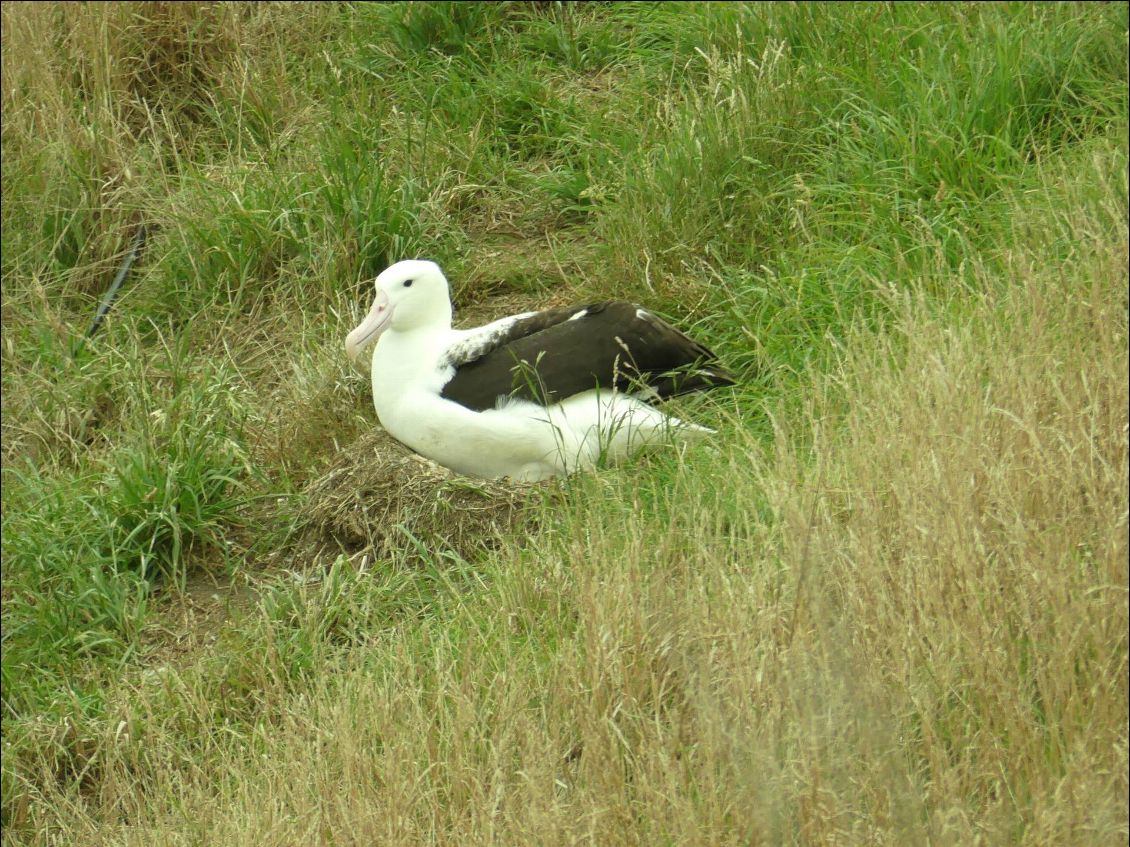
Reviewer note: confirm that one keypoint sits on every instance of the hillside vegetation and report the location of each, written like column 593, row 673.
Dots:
column 885, row 604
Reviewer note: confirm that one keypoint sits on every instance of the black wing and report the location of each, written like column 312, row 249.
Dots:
column 548, row 356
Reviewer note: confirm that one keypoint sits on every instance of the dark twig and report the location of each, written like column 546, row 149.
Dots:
column 112, row 292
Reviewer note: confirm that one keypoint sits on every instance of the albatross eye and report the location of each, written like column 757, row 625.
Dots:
column 408, row 283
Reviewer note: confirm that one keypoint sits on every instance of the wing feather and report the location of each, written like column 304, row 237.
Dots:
column 545, row 357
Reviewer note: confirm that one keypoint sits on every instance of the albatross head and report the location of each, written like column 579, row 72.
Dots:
column 410, row 295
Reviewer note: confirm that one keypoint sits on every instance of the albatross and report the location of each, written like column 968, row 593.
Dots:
column 530, row 396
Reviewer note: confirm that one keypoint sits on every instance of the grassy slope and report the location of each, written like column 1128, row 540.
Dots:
column 887, row 603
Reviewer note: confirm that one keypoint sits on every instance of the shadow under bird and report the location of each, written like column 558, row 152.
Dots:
column 530, row 396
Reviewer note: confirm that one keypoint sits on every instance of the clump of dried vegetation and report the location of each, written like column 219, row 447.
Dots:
column 378, row 498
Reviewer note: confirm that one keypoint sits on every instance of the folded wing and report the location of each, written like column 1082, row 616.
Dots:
column 545, row 357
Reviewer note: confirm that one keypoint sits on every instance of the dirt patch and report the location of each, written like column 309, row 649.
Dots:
column 380, row 498
column 188, row 622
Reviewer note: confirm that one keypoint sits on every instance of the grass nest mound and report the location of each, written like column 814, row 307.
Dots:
column 380, row 498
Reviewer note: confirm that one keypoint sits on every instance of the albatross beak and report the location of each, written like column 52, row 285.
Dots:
column 375, row 323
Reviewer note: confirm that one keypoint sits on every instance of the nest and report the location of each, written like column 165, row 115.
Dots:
column 380, row 498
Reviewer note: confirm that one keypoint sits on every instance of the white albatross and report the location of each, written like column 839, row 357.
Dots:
column 530, row 396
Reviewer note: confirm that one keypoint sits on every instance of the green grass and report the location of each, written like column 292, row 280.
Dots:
column 885, row 603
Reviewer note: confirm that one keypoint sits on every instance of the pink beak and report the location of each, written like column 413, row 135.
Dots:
column 376, row 322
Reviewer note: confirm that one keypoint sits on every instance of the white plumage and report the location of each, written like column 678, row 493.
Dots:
column 500, row 400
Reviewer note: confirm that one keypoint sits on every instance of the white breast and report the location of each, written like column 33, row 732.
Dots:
column 521, row 440
column 407, row 381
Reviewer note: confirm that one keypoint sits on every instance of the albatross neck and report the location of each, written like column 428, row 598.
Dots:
column 438, row 319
